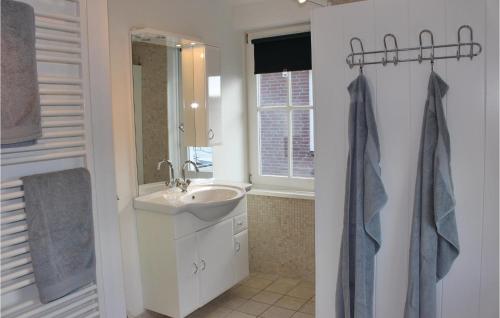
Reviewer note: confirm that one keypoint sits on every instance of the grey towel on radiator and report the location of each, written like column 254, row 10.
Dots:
column 60, row 231
column 20, row 103
column 434, row 237
column 364, row 197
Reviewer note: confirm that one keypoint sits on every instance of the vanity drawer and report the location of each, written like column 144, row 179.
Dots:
column 240, row 223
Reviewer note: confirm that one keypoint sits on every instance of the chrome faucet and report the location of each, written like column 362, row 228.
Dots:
column 184, row 183
column 171, row 179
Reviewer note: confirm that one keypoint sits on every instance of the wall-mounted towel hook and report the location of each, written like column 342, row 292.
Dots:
column 395, row 59
column 420, row 56
column 471, row 42
column 362, row 59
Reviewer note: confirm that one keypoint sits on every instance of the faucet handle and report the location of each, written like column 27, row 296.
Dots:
column 160, row 163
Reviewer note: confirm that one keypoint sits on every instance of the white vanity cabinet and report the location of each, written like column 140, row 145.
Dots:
column 187, row 262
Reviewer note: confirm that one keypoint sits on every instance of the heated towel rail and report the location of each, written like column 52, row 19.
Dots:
column 63, row 82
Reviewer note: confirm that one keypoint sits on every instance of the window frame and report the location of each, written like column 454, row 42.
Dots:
column 269, row 181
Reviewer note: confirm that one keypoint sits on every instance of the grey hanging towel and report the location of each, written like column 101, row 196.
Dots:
column 60, row 230
column 434, row 237
column 20, row 104
column 364, row 197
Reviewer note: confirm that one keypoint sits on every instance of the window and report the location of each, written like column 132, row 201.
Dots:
column 285, row 112
column 202, row 156
column 281, row 108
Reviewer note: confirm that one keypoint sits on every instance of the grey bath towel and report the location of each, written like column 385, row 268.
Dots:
column 364, row 197
column 60, row 230
column 20, row 101
column 434, row 237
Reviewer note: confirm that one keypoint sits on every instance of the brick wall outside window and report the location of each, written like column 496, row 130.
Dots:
column 274, row 124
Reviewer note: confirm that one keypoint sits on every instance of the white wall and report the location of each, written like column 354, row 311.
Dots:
column 265, row 14
column 210, row 21
column 102, row 147
column 471, row 287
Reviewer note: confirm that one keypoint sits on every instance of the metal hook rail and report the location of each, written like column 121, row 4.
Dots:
column 474, row 49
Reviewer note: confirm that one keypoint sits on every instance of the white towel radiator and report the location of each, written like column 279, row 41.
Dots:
column 61, row 45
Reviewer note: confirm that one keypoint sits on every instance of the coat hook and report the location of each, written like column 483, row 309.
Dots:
column 420, row 56
column 395, row 59
column 362, row 59
column 471, row 43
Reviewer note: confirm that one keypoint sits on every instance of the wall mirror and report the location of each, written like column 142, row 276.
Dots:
column 177, row 104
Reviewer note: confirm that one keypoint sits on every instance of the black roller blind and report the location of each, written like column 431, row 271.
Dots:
column 291, row 52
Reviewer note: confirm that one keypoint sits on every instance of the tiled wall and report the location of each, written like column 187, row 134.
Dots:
column 153, row 59
column 281, row 236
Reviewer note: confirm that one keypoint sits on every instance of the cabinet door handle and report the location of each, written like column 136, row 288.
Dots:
column 195, row 268
column 238, row 246
column 239, row 223
column 203, row 265
column 211, row 134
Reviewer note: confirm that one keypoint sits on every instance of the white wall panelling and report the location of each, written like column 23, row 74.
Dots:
column 399, row 93
column 66, row 142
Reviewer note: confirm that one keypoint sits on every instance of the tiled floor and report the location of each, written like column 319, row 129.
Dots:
column 260, row 295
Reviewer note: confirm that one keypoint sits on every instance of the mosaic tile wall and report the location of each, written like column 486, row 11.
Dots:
column 281, row 236
column 153, row 59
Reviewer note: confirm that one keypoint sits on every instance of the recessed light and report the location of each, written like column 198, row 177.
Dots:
column 178, row 45
column 193, row 43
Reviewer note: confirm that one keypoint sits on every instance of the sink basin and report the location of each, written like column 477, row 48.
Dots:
column 211, row 202
column 206, row 202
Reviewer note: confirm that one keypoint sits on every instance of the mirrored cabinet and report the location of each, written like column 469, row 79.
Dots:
column 177, row 103
column 201, row 96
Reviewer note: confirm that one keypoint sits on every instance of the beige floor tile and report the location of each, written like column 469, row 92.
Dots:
column 257, row 282
column 281, row 298
column 232, row 301
column 306, row 283
column 271, row 277
column 304, row 292
column 308, row 308
column 282, row 285
column 237, row 314
column 253, row 308
column 245, row 292
column 291, row 303
column 277, row 312
column 302, row 315
column 267, row 297
column 209, row 312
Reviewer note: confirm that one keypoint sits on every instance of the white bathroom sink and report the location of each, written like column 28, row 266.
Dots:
column 206, row 202
column 211, row 202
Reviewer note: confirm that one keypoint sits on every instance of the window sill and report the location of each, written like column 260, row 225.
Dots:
column 282, row 193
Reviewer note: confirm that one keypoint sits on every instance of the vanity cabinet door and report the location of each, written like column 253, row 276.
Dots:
column 215, row 248
column 187, row 273
column 241, row 256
